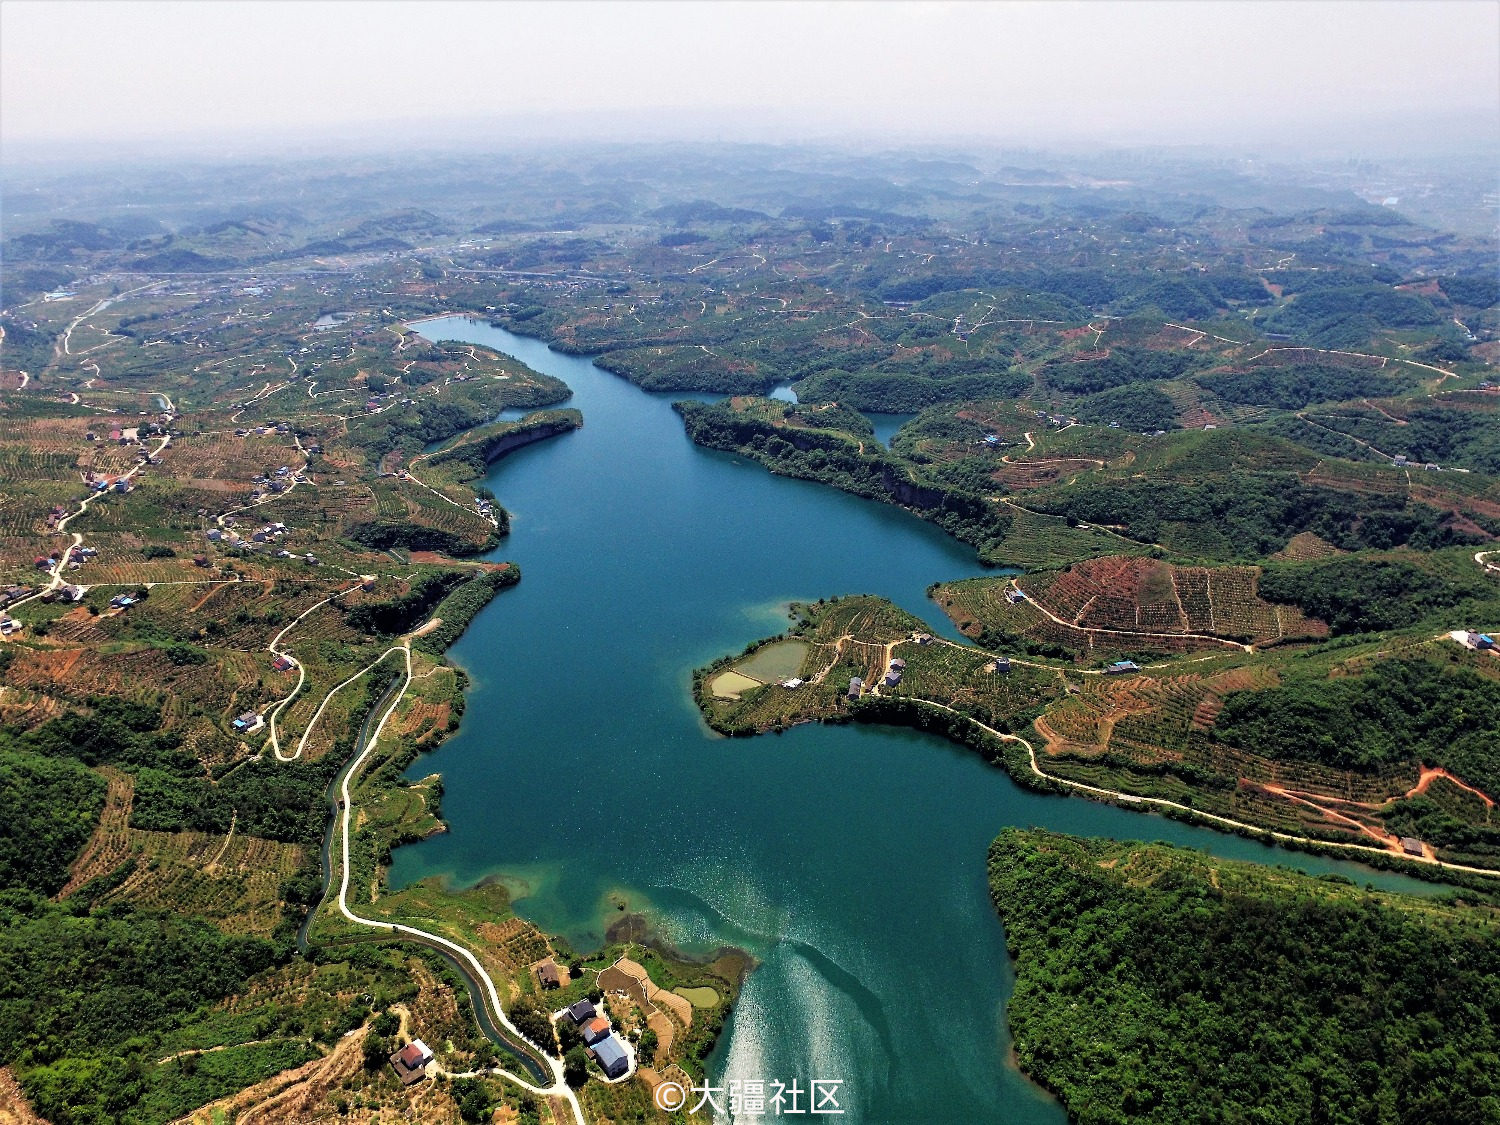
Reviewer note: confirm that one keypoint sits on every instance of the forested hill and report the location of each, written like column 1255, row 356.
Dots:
column 1156, row 984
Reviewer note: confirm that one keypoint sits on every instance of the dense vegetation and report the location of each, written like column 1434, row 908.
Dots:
column 1121, row 366
column 408, row 610
column 1156, row 985
column 1135, row 406
column 897, row 392
column 462, row 605
column 1251, row 515
column 1370, row 593
column 1291, row 388
column 48, row 808
column 1398, row 711
column 834, row 458
column 79, row 992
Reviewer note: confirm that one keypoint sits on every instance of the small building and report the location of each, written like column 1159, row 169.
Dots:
column 794, row 682
column 1119, row 667
column 898, row 665
column 42, row 564
column 410, row 1062
column 922, row 638
column 595, row 1030
column 214, row 535
column 1015, row 594
column 1412, row 846
column 892, row 678
column 8, row 625
column 200, row 561
column 122, row 485
column 71, row 593
column 282, row 664
column 610, row 1054
column 246, row 722
column 856, row 686
column 581, row 1011
column 548, row 975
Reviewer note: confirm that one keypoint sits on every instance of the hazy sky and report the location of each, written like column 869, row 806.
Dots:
column 1116, row 71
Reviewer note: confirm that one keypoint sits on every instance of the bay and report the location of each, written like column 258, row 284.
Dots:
column 849, row 860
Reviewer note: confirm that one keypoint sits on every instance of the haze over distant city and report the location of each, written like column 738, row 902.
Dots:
column 1345, row 74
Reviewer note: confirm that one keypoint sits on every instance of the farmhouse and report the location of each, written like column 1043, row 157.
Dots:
column 1411, row 845
column 281, row 664
column 609, row 1053
column 1119, row 667
column 581, row 1011
column 892, row 678
column 247, row 722
column 410, row 1063
column 856, row 685
column 548, row 975
column 595, row 1030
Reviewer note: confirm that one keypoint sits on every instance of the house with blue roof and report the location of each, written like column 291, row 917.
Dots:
column 610, row 1054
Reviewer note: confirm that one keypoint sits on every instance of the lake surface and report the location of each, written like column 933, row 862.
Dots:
column 849, row 860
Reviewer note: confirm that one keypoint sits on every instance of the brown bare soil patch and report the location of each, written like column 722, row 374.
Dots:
column 14, row 1109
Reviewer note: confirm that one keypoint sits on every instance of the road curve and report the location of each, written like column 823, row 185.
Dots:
column 559, row 1088
column 1162, row 802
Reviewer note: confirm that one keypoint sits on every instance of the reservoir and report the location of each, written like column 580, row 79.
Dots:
column 849, row 860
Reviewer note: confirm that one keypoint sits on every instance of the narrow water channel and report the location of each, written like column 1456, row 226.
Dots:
column 849, row 860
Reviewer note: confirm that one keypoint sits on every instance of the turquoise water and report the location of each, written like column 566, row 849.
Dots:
column 850, row 861
column 886, row 425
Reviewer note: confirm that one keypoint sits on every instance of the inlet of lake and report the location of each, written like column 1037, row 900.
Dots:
column 850, row 861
